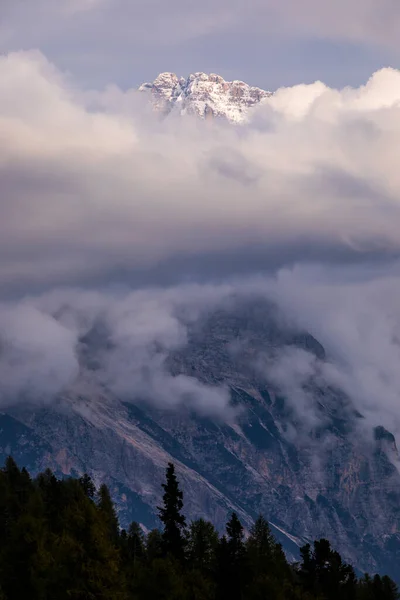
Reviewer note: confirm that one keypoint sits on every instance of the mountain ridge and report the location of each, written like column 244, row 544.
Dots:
column 335, row 479
column 204, row 95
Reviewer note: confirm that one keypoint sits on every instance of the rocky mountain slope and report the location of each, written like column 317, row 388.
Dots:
column 330, row 476
column 204, row 95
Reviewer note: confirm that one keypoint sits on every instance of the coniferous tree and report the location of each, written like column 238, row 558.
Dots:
column 235, row 536
column 58, row 540
column 135, row 542
column 86, row 562
column 154, row 545
column 53, row 495
column 267, row 563
column 377, row 587
column 88, row 486
column 132, row 554
column 389, row 589
column 323, row 572
column 23, row 518
column 261, row 546
column 223, row 570
column 232, row 561
column 202, row 545
column 171, row 516
column 307, row 568
column 109, row 514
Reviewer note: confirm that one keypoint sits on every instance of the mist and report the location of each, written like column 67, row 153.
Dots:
column 121, row 340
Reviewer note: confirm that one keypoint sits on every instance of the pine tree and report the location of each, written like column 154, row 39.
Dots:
column 57, row 541
column 307, row 568
column 261, row 546
column 86, row 558
column 202, row 545
column 232, row 567
column 135, row 546
column 132, row 553
column 109, row 514
column 154, row 545
column 52, row 490
column 171, row 516
column 224, row 569
column 88, row 486
column 235, row 532
column 22, row 511
column 389, row 589
column 378, row 588
column 267, row 563
column 322, row 571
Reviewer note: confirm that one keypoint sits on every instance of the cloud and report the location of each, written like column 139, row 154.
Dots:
column 37, row 358
column 123, row 340
column 96, row 191
column 265, row 42
column 53, row 343
column 366, row 21
column 355, row 315
column 92, row 188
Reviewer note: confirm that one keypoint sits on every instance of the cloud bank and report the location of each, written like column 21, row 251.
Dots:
column 96, row 192
column 366, row 21
column 92, row 184
column 122, row 340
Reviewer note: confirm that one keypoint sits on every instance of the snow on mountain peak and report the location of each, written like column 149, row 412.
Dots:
column 204, row 95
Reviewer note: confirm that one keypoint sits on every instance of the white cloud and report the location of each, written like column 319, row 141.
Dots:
column 355, row 315
column 87, row 191
column 51, row 343
column 94, row 189
column 48, row 341
column 37, row 357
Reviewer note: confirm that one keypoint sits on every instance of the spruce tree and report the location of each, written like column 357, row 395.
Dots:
column 170, row 514
column 322, row 571
column 202, row 545
column 224, row 570
column 88, row 486
column 135, row 546
column 56, row 541
column 261, row 545
column 109, row 514
column 266, row 561
column 232, row 561
column 390, row 590
column 154, row 545
column 235, row 532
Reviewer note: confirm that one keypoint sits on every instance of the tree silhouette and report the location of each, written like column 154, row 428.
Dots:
column 60, row 540
column 171, row 516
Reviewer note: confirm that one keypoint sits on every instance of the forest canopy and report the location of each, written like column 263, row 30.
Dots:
column 61, row 539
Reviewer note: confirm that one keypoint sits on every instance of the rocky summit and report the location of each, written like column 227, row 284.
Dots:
column 206, row 96
column 332, row 475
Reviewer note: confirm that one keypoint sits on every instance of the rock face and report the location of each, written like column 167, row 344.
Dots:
column 333, row 478
column 206, row 96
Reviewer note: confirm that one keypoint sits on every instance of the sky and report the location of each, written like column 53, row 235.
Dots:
column 110, row 215
column 264, row 42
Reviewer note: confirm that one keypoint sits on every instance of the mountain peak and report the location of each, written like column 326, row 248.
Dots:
column 205, row 95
